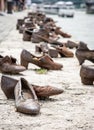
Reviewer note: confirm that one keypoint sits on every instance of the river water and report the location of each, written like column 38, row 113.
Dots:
column 81, row 27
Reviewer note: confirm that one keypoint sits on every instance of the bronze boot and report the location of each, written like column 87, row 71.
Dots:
column 84, row 53
column 44, row 61
column 25, row 98
column 87, row 74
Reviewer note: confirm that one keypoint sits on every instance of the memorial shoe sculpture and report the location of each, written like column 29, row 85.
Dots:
column 26, row 100
column 8, row 65
column 27, row 34
column 87, row 74
column 84, row 53
column 44, row 61
column 64, row 51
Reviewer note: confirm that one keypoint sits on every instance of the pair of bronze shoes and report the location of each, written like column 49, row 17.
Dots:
column 26, row 95
column 8, row 65
column 44, row 61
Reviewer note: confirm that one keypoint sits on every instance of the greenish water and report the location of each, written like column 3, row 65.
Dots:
column 81, row 27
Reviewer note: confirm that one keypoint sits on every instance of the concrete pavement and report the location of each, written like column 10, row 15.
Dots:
column 8, row 22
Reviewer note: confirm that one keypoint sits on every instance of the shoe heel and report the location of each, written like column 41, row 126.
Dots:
column 80, row 59
column 24, row 63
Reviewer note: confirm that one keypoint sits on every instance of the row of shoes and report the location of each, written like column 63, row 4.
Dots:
column 87, row 71
column 26, row 95
column 8, row 64
column 37, row 27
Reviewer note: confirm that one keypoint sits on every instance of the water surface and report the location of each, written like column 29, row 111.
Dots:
column 81, row 27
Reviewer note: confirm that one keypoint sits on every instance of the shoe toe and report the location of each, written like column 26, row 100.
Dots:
column 29, row 107
column 55, row 91
column 19, row 68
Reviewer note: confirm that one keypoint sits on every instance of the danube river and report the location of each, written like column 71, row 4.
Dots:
column 81, row 27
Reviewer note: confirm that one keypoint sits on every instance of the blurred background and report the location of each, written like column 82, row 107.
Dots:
column 74, row 16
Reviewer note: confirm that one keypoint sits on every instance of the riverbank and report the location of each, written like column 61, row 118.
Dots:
column 72, row 110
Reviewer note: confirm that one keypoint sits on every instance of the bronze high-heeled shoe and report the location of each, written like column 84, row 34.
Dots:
column 43, row 61
column 64, row 51
column 26, row 100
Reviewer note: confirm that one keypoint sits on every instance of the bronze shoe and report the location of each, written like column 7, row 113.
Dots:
column 27, row 34
column 63, row 34
column 40, row 36
column 9, row 59
column 43, row 61
column 46, row 91
column 8, row 84
column 19, row 23
column 8, row 65
column 28, row 24
column 25, row 98
column 64, row 51
column 71, row 44
column 87, row 74
column 84, row 53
